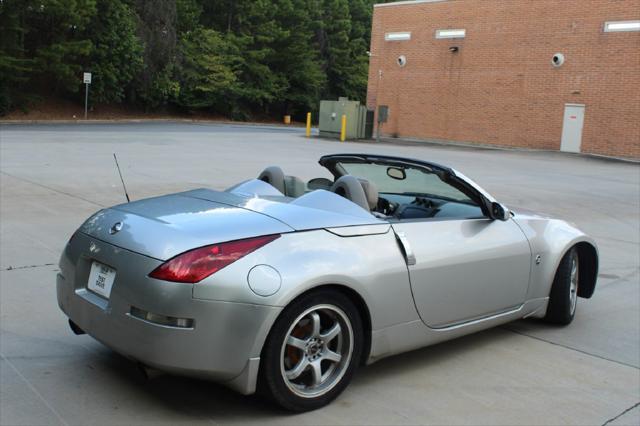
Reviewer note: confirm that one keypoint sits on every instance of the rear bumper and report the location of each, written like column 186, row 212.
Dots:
column 223, row 344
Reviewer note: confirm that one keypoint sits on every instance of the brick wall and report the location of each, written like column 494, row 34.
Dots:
column 500, row 88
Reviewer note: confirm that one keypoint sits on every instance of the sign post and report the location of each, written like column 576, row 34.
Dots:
column 87, row 82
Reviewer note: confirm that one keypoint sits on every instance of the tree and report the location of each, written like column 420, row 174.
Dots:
column 359, row 41
column 43, row 48
column 281, row 66
column 206, row 71
column 254, row 29
column 15, row 67
column 55, row 35
column 188, row 14
column 157, row 30
column 116, row 56
column 298, row 58
column 260, row 56
column 336, row 51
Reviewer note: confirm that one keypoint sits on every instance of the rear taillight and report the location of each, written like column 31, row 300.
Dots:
column 195, row 265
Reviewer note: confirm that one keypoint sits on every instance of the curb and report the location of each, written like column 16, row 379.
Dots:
column 486, row 147
column 150, row 120
column 384, row 140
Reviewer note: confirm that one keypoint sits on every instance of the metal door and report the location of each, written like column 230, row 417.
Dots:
column 572, row 128
column 462, row 270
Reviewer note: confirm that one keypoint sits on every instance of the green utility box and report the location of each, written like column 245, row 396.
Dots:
column 331, row 113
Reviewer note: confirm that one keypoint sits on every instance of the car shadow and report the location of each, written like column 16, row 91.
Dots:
column 203, row 399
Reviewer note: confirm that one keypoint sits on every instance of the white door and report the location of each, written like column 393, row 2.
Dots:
column 572, row 128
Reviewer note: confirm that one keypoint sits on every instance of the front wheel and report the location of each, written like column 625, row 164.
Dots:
column 563, row 299
column 312, row 351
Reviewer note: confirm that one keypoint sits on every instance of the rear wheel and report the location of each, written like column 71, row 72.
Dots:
column 563, row 299
column 312, row 351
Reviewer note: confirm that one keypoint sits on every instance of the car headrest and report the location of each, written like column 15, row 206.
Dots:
column 350, row 188
column 274, row 176
column 371, row 192
column 290, row 186
column 294, row 187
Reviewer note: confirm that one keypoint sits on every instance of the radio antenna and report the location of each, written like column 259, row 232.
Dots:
column 121, row 179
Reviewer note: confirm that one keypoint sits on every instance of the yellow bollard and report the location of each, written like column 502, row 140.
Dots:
column 343, row 130
column 308, row 124
column 287, row 119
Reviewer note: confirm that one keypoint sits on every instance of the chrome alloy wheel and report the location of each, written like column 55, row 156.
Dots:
column 573, row 285
column 316, row 351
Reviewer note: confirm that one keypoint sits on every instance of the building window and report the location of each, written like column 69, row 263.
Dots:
column 397, row 36
column 451, row 33
column 620, row 26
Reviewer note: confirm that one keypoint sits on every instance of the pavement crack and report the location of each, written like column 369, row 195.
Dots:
column 569, row 347
column 68, row 194
column 623, row 278
column 637, row 404
column 13, row 268
column 33, row 389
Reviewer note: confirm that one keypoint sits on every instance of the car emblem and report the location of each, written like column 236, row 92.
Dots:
column 117, row 227
column 93, row 248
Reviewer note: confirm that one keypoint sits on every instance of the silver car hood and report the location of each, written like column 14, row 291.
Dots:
column 166, row 226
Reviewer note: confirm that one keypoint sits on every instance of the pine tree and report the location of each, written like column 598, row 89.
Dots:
column 239, row 57
column 335, row 45
column 56, row 36
column 255, row 29
column 157, row 30
column 206, row 73
column 188, row 15
column 116, row 57
column 298, row 59
column 15, row 67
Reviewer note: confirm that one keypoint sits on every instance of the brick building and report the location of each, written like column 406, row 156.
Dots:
column 544, row 74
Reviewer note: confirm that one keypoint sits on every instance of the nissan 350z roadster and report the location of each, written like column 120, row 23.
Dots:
column 287, row 287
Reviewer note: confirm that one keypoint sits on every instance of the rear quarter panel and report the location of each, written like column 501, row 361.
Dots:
column 371, row 265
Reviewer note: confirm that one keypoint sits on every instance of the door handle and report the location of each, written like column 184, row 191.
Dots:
column 409, row 256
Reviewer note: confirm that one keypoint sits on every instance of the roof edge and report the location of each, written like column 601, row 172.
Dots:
column 407, row 3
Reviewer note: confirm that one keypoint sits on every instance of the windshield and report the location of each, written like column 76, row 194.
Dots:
column 405, row 180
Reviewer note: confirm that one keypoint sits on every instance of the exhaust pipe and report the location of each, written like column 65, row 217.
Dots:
column 77, row 330
column 147, row 372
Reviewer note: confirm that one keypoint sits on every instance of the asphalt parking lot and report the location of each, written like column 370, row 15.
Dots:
column 54, row 176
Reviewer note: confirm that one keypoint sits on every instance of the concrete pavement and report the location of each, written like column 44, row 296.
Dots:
column 53, row 176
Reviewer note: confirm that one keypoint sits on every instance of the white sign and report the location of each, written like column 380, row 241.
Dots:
column 87, row 78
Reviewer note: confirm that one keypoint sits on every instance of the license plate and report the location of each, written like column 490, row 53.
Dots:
column 101, row 279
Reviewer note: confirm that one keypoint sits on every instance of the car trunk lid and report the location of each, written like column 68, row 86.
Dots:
column 166, row 226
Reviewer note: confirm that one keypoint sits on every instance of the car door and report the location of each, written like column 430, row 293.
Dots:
column 465, row 269
column 467, row 258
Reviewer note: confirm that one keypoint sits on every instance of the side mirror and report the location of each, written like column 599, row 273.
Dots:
column 500, row 212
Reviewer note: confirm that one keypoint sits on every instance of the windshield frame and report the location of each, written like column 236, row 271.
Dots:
column 446, row 174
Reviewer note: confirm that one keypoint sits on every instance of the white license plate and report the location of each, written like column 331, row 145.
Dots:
column 101, row 279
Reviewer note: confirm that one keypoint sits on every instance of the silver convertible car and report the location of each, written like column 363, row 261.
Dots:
column 286, row 287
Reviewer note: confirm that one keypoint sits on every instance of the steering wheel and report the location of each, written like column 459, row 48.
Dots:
column 423, row 202
column 386, row 207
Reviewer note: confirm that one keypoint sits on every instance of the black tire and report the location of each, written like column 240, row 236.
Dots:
column 562, row 308
column 276, row 355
